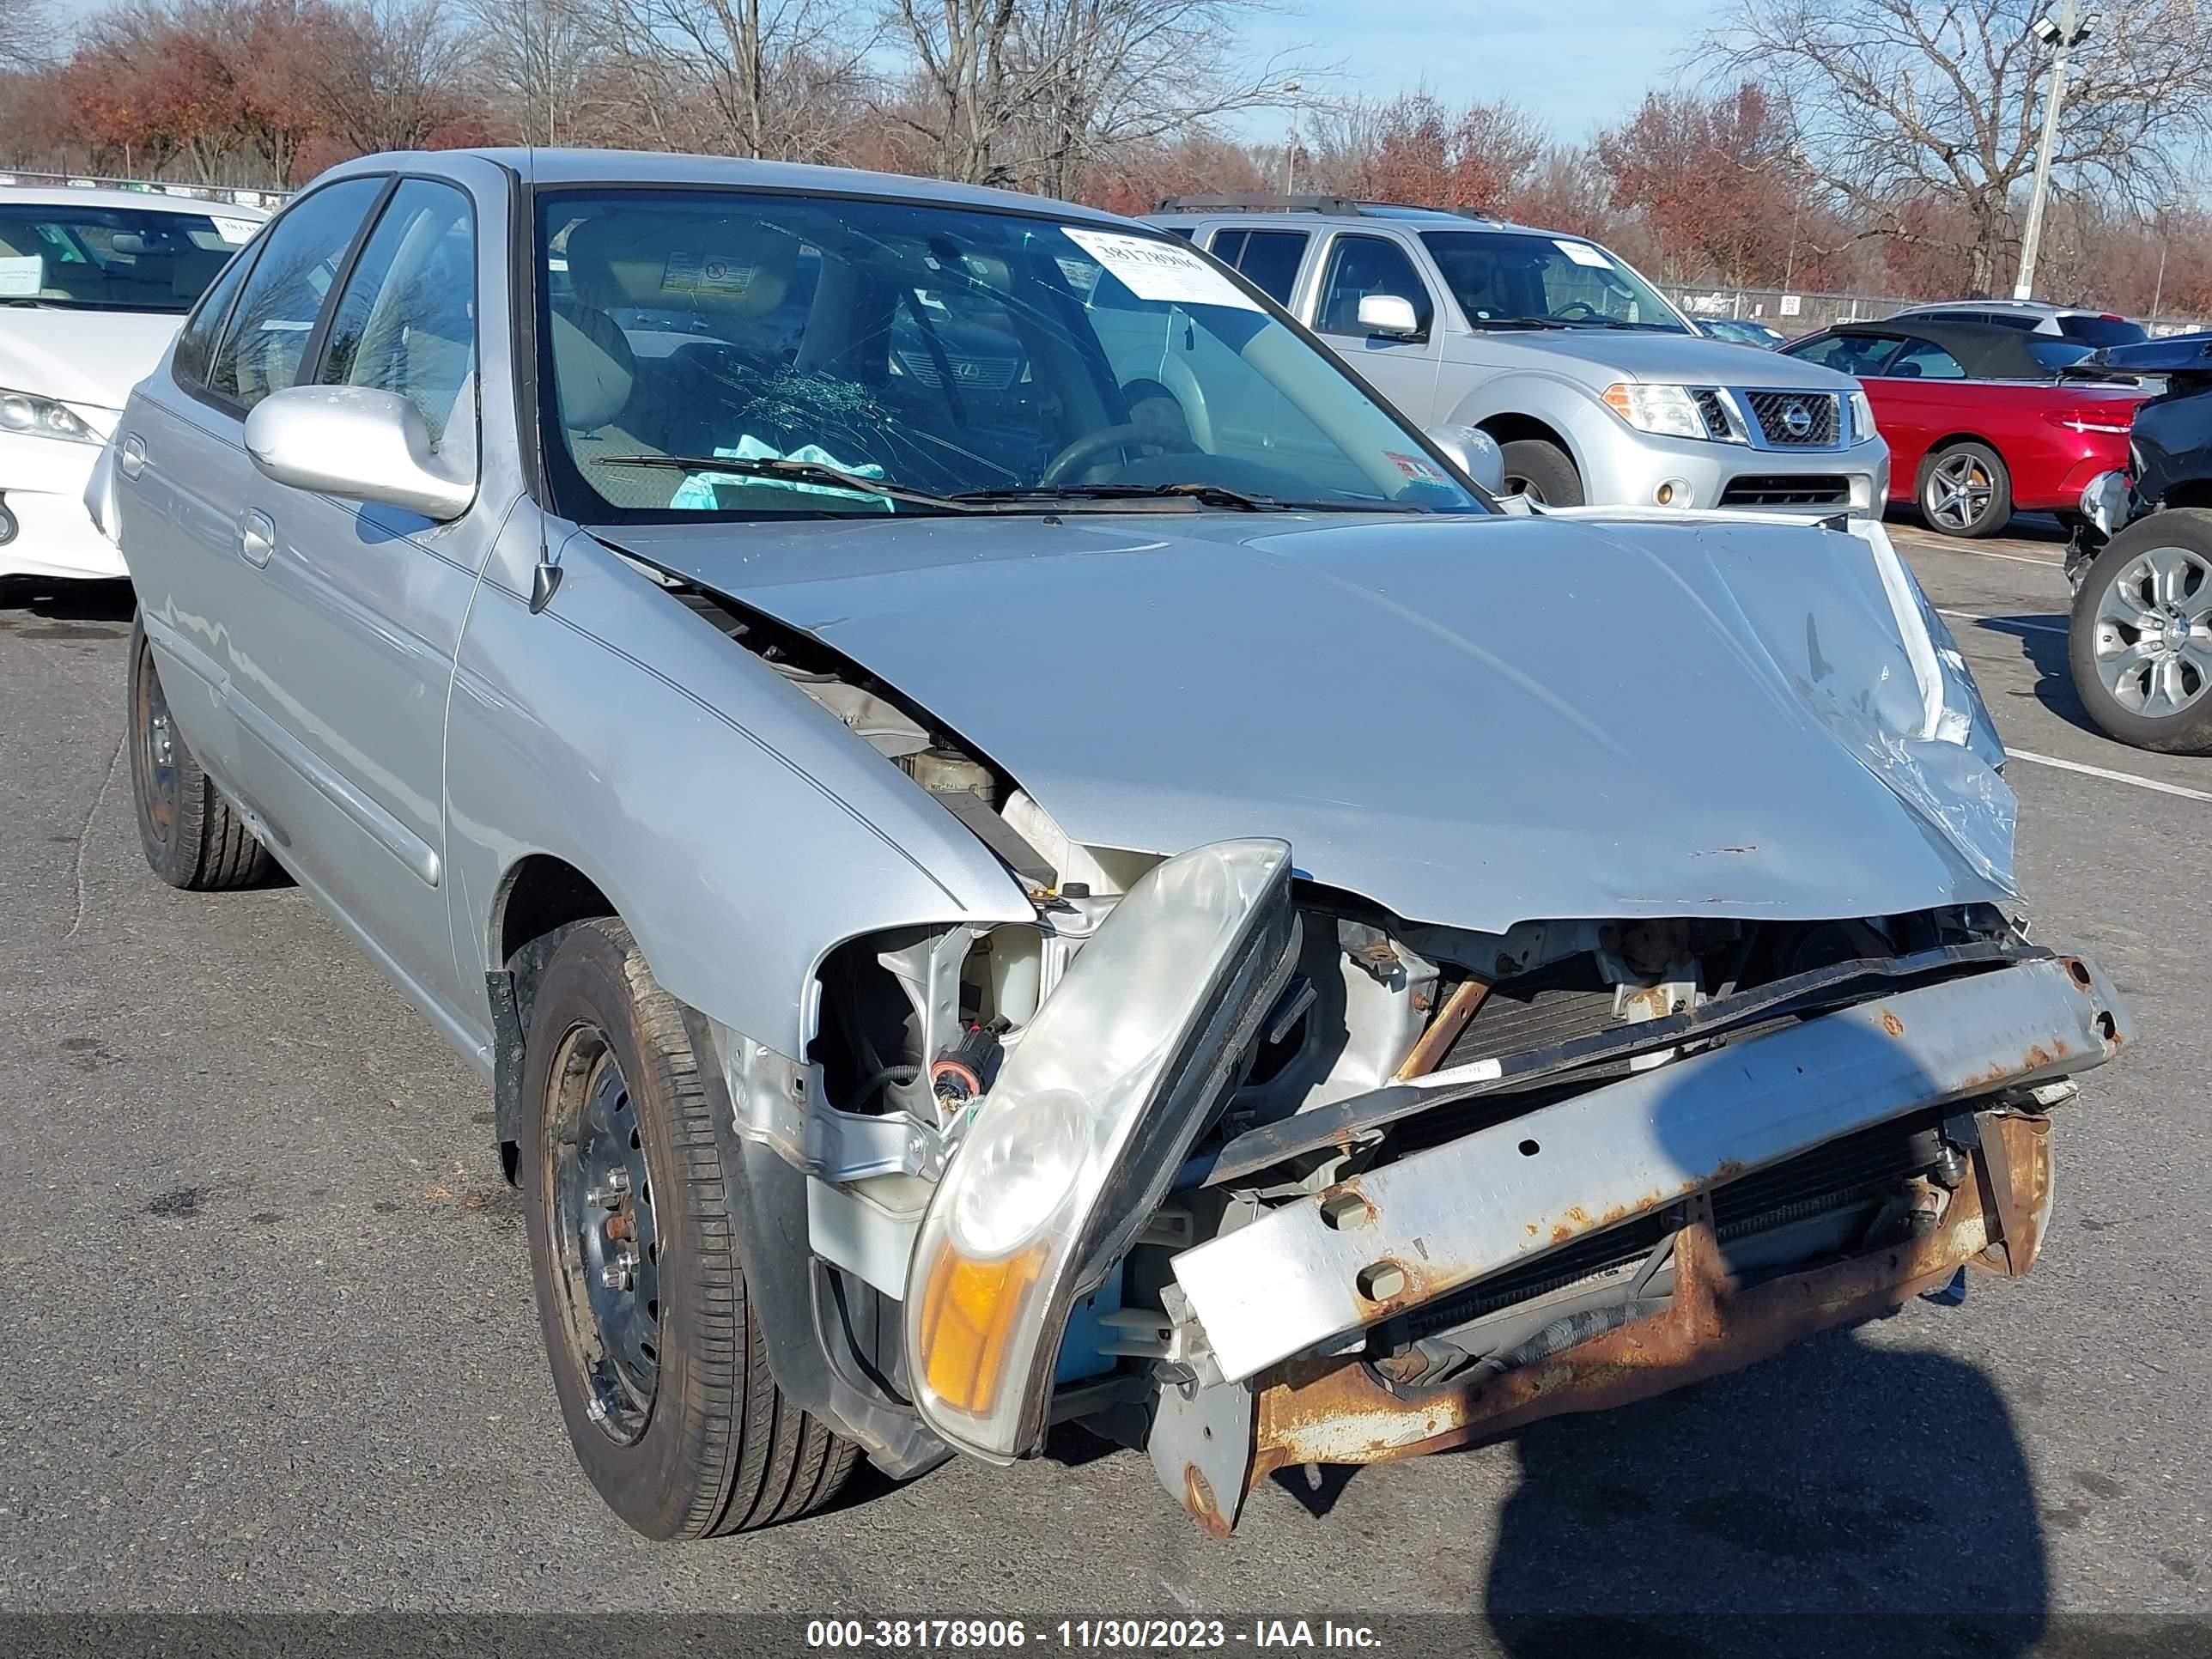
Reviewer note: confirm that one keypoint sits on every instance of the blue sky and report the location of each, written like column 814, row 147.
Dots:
column 1578, row 65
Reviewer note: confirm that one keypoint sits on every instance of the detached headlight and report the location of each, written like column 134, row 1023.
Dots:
column 1075, row 1145
column 27, row 412
column 1670, row 412
column 1863, row 422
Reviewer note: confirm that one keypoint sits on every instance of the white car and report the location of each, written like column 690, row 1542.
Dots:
column 93, row 286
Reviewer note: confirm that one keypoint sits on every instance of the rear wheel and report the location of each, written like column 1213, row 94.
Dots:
column 657, row 1360
column 2140, row 640
column 1966, row 490
column 1541, row 470
column 192, row 837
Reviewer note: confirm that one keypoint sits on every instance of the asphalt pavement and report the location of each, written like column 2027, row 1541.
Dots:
column 270, row 1343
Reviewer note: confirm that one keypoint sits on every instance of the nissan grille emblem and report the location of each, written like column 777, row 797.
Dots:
column 1797, row 420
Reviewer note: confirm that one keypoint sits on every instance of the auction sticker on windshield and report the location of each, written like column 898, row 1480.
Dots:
column 236, row 232
column 1583, row 253
column 1161, row 269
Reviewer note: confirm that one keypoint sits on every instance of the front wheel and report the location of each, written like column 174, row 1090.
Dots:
column 1966, row 490
column 1542, row 472
column 658, row 1359
column 2139, row 640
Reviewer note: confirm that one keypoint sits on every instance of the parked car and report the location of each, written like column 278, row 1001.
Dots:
column 1980, row 421
column 1597, row 389
column 2091, row 329
column 2140, row 643
column 92, row 283
column 1742, row 331
column 959, row 933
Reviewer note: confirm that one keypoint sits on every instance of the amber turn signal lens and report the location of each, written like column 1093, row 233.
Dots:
column 968, row 1312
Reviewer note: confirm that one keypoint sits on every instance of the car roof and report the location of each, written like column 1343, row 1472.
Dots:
column 1331, row 212
column 146, row 200
column 557, row 169
column 2016, row 308
column 1987, row 351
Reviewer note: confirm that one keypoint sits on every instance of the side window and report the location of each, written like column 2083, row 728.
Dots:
column 1847, row 354
column 1228, row 246
column 1360, row 266
column 195, row 343
column 406, row 319
column 1271, row 259
column 283, row 294
column 1923, row 359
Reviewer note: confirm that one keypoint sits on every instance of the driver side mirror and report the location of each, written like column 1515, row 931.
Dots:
column 1475, row 453
column 1391, row 315
column 355, row 443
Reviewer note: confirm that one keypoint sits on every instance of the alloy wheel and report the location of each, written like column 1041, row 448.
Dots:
column 2154, row 633
column 157, row 752
column 1959, row 492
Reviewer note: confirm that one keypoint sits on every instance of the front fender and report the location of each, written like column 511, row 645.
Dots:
column 1563, row 405
column 740, row 830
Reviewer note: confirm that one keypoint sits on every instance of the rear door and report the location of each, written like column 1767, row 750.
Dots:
column 359, row 607
column 1355, row 265
column 182, row 472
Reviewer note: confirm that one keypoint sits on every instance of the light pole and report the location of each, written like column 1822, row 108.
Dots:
column 1291, row 89
column 2062, row 32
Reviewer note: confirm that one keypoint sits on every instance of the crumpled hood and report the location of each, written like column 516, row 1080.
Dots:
column 88, row 357
column 1603, row 355
column 1470, row 722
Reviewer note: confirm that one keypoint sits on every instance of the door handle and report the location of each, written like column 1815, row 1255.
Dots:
column 130, row 455
column 256, row 538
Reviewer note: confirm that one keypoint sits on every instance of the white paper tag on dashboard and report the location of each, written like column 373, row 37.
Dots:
column 1161, row 269
column 1583, row 253
column 236, row 232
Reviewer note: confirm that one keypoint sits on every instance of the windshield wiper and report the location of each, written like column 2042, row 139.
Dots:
column 1200, row 494
column 812, row 472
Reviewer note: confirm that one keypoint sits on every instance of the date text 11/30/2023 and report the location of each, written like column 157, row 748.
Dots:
column 1086, row 1635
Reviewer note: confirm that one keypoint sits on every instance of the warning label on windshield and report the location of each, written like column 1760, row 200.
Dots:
column 1161, row 269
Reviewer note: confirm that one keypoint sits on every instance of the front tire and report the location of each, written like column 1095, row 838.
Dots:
column 1542, row 472
column 1966, row 490
column 658, row 1359
column 193, row 838
column 2139, row 642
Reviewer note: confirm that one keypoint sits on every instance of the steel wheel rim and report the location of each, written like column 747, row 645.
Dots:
column 157, row 752
column 1960, row 492
column 2153, row 632
column 605, row 1235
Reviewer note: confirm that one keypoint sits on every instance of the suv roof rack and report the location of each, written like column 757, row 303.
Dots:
column 1265, row 202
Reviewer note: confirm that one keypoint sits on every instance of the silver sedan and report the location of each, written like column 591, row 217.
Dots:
column 1013, row 848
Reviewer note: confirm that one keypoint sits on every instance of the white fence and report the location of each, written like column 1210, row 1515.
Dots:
column 237, row 195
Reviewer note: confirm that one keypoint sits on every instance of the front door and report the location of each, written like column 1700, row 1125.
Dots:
column 1402, row 369
column 363, row 605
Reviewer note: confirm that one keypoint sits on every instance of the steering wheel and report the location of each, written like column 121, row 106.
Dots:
column 1089, row 447
column 1565, row 314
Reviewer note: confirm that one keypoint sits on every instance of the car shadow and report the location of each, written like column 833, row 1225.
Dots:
column 1845, row 1497
column 65, row 603
column 2042, row 640
column 2045, row 527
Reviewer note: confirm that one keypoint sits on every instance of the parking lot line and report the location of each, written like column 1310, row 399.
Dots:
column 1935, row 546
column 2106, row 773
column 2002, row 622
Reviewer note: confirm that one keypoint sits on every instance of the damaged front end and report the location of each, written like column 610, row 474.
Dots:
column 1265, row 1177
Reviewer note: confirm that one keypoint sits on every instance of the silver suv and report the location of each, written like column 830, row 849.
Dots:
column 1597, row 389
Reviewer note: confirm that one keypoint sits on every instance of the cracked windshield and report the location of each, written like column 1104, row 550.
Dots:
column 756, row 354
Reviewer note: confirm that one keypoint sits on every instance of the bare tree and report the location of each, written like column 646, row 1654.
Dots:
column 776, row 78
column 390, row 74
column 30, row 36
column 1035, row 92
column 544, row 61
column 1900, row 102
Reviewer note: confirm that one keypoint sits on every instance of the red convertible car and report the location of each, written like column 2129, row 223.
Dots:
column 1978, row 422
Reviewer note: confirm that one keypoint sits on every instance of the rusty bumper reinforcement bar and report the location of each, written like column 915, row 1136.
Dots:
column 1313, row 1272
column 1337, row 1410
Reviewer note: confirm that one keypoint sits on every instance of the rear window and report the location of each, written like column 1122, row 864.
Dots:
column 104, row 259
column 2056, row 354
column 2102, row 330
